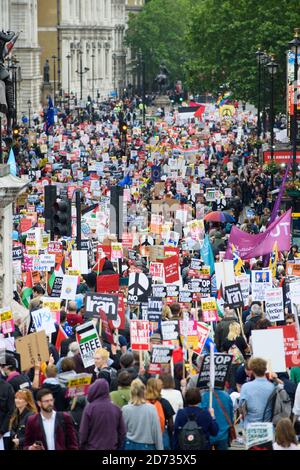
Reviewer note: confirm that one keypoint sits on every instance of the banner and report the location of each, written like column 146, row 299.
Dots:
column 251, row 246
column 139, row 335
column 274, row 304
column 222, row 364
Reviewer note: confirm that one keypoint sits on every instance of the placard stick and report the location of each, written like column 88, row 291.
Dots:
column 239, row 310
column 172, row 366
column 263, row 309
column 141, row 360
column 190, row 355
column 100, row 328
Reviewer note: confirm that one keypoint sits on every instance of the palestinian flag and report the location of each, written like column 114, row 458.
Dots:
column 27, row 291
column 61, row 336
column 59, row 271
column 220, row 302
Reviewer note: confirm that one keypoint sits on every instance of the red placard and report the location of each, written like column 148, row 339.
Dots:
column 25, row 224
column 139, row 335
column 292, row 354
column 103, row 251
column 127, row 240
column 171, row 266
column 120, row 322
column 108, row 283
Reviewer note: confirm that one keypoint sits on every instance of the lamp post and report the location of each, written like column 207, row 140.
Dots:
column 294, row 45
column 81, row 72
column 54, row 57
column 29, row 113
column 272, row 68
column 259, row 56
column 264, row 60
column 68, row 57
column 114, row 57
column 143, row 73
column 93, row 74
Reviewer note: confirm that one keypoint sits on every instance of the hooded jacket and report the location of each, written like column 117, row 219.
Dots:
column 102, row 426
column 107, row 268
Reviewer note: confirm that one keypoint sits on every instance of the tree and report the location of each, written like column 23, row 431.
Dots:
column 224, row 36
column 159, row 32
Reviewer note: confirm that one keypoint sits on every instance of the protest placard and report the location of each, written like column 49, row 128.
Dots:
column 139, row 288
column 185, row 296
column 203, row 332
column 291, row 349
column 196, row 264
column 108, row 303
column 244, row 281
column 78, row 385
column 6, row 321
column 161, row 354
column 259, row 433
column 209, row 309
column 32, row 348
column 171, row 269
column 224, row 273
column 269, row 344
column 57, row 285
column 201, row 286
column 42, row 320
column 159, row 290
column 80, row 261
column 261, row 280
column 69, row 287
column 233, row 295
column 274, row 304
column 139, row 335
column 189, row 333
column 157, row 271
column 155, row 305
column 222, row 363
column 170, row 330
column 88, row 340
column 17, row 253
column 46, row 262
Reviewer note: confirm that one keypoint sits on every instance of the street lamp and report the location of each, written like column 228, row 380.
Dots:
column 54, row 57
column 295, row 48
column 81, row 72
column 29, row 113
column 93, row 74
column 264, row 60
column 259, row 56
column 272, row 68
column 143, row 70
column 68, row 57
column 114, row 57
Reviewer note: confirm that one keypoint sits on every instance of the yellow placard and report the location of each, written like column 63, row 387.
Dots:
column 52, row 305
column 30, row 242
column 6, row 315
column 79, row 382
column 74, row 272
column 209, row 305
column 205, row 270
column 32, row 252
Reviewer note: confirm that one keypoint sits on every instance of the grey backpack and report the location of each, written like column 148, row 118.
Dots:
column 280, row 404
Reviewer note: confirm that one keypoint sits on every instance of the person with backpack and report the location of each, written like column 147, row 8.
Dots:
column 193, row 425
column 49, row 429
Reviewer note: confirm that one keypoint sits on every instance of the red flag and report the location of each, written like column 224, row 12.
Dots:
column 108, row 283
column 200, row 111
column 61, row 335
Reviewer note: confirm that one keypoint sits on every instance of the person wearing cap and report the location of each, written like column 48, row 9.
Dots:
column 16, row 379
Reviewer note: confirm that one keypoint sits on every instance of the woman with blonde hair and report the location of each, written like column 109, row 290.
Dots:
column 25, row 407
column 285, row 436
column 141, row 420
column 166, row 313
column 234, row 344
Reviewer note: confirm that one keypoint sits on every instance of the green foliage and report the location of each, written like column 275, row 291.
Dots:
column 224, row 36
column 159, row 31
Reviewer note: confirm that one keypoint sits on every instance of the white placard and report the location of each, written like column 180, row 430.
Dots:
column 259, row 433
column 224, row 273
column 46, row 262
column 69, row 287
column 261, row 280
column 269, row 344
column 43, row 320
column 244, row 281
column 80, row 261
column 274, row 304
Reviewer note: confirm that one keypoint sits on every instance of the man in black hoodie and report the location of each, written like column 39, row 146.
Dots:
column 7, row 405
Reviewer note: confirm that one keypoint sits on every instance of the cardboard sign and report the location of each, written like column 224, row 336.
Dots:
column 222, row 364
column 161, row 354
column 139, row 288
column 274, row 304
column 261, row 280
column 42, row 320
column 170, row 330
column 171, row 269
column 155, row 305
column 139, row 335
column 233, row 295
column 269, row 345
column 259, row 433
column 88, row 340
column 32, row 348
column 209, row 309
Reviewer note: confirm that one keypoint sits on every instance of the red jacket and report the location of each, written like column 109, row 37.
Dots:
column 65, row 434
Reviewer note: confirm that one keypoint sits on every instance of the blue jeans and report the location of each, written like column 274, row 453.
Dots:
column 130, row 445
column 166, row 440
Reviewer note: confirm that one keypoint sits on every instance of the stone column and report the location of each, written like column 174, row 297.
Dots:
column 10, row 188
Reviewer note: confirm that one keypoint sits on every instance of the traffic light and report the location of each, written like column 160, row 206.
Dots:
column 123, row 127
column 62, row 218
